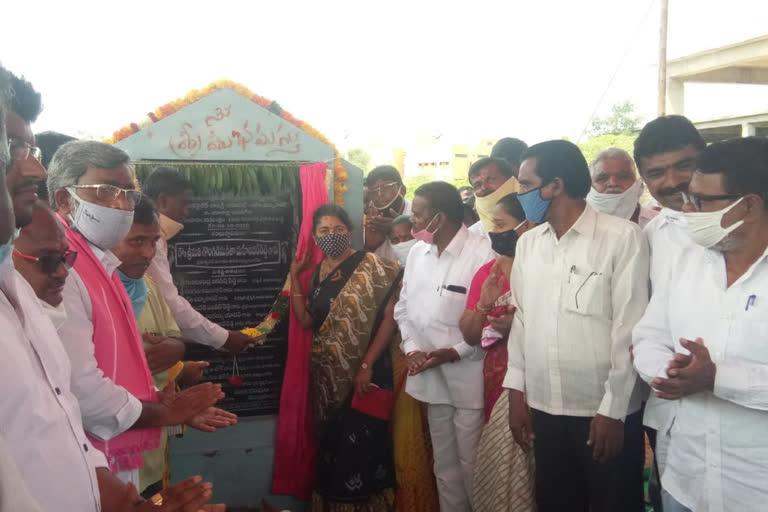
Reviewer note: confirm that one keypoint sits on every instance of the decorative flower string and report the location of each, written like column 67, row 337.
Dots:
column 340, row 174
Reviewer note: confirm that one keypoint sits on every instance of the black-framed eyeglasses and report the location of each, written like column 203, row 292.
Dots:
column 111, row 192
column 49, row 262
column 696, row 199
column 21, row 150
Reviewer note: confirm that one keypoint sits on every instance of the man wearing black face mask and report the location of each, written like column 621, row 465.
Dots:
column 386, row 201
column 503, row 476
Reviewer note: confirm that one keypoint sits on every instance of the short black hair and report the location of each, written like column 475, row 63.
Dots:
column 512, row 206
column 167, row 180
column 144, row 212
column 383, row 173
column 49, row 142
column 561, row 159
column 331, row 210
column 742, row 162
column 26, row 102
column 510, row 149
column 443, row 198
column 466, row 188
column 665, row 134
column 505, row 169
column 469, row 214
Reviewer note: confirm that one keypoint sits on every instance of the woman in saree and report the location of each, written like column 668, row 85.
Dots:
column 349, row 306
column 504, row 479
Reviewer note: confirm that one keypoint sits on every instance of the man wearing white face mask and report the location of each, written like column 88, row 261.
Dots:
column 615, row 187
column 91, row 186
column 702, row 342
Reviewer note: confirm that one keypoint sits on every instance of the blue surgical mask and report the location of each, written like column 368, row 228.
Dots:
column 137, row 291
column 7, row 247
column 534, row 206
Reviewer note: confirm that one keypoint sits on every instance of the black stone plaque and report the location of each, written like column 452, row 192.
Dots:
column 230, row 263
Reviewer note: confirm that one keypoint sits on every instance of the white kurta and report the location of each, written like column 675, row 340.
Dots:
column 717, row 457
column 40, row 417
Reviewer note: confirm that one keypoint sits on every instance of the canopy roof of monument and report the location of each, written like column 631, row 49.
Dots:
column 271, row 106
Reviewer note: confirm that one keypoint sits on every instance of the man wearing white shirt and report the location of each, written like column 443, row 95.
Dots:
column 386, row 202
column 665, row 152
column 171, row 193
column 444, row 371
column 702, row 342
column 91, row 184
column 580, row 284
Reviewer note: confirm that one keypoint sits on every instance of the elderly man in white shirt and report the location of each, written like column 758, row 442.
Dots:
column 702, row 342
column 580, row 284
column 92, row 186
column 616, row 189
column 171, row 193
column 444, row 371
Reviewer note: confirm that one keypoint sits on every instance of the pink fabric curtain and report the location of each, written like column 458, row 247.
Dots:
column 296, row 448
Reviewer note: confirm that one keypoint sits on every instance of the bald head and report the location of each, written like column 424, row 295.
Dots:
column 39, row 254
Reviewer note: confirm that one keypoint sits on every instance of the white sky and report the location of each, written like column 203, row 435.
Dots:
column 365, row 72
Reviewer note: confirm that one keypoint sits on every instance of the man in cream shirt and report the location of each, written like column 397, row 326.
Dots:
column 580, row 284
column 444, row 371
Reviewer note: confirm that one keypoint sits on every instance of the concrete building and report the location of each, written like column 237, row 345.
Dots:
column 745, row 62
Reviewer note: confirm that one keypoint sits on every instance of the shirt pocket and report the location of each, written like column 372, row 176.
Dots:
column 752, row 345
column 451, row 306
column 585, row 293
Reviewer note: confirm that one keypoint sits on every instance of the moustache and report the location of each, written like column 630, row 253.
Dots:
column 27, row 183
column 57, row 282
column 683, row 187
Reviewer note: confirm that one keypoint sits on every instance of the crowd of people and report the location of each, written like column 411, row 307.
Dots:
column 520, row 344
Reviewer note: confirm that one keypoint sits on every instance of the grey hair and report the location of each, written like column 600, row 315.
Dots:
column 73, row 159
column 607, row 154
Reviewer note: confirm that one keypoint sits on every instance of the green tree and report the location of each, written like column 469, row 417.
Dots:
column 621, row 120
column 595, row 145
column 414, row 181
column 360, row 158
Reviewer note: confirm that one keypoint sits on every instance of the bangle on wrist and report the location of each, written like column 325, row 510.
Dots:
column 483, row 309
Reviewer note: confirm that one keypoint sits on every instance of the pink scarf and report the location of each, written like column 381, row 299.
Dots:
column 118, row 349
column 296, row 447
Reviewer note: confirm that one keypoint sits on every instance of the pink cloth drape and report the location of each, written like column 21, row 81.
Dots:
column 296, row 447
column 118, row 350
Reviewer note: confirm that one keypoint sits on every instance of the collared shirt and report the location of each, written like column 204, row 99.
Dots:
column 478, row 229
column 385, row 251
column 432, row 300
column 14, row 495
column 40, row 417
column 194, row 326
column 577, row 300
column 718, row 452
column 108, row 409
column 667, row 240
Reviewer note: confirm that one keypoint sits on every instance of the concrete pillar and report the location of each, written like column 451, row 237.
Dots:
column 675, row 96
column 748, row 130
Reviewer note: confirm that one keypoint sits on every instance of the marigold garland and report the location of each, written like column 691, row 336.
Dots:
column 340, row 174
column 280, row 310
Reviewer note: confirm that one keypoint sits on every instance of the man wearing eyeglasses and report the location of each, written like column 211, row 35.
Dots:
column 92, row 187
column 702, row 344
column 386, row 202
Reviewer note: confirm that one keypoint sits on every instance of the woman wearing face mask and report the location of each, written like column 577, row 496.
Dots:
column 349, row 306
column 503, row 472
